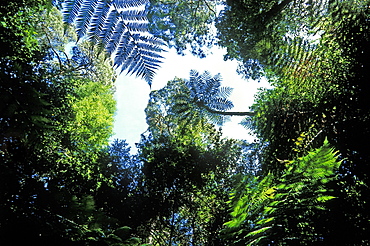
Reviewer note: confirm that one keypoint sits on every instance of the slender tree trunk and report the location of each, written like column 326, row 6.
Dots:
column 232, row 113
column 227, row 113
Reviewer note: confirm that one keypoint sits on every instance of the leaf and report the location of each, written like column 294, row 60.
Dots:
column 123, row 32
column 259, row 231
column 265, row 221
column 325, row 198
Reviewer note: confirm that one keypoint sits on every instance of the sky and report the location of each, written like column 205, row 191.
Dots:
column 132, row 93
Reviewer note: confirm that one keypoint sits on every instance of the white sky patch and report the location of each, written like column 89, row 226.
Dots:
column 132, row 93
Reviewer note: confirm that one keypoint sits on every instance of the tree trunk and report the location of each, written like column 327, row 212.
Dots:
column 228, row 113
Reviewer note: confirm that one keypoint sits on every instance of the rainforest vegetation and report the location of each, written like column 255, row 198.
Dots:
column 303, row 181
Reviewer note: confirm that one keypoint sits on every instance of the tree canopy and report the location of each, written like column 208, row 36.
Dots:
column 303, row 181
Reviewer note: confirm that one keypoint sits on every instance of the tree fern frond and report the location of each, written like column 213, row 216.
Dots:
column 134, row 15
column 136, row 60
column 224, row 91
column 221, row 104
column 193, row 74
column 137, row 26
column 216, row 119
column 98, row 21
column 247, row 123
column 71, row 10
column 129, row 3
column 123, row 32
column 153, row 41
column 107, row 30
column 114, row 37
column 258, row 231
column 206, row 75
column 211, row 87
column 83, row 18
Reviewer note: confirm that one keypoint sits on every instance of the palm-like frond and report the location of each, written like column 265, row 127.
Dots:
column 210, row 97
column 122, row 31
column 206, row 89
column 224, row 92
column 220, row 103
column 247, row 123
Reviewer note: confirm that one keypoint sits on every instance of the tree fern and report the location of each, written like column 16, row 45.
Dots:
column 121, row 27
column 210, row 98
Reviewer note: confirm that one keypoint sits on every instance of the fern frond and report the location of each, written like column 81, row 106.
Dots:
column 84, row 16
column 123, row 32
column 224, row 92
column 134, row 15
column 71, row 9
column 193, row 75
column 114, row 36
column 216, row 118
column 211, row 87
column 106, row 26
column 135, row 27
column 129, row 3
column 221, row 104
column 262, row 208
column 98, row 20
column 247, row 123
column 124, row 51
column 258, row 231
column 137, row 59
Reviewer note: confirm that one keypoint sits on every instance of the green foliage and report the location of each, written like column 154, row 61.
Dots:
column 186, row 177
column 285, row 210
column 321, row 91
column 187, row 167
column 254, row 32
column 183, row 24
column 63, row 185
column 54, row 129
column 93, row 106
column 18, row 29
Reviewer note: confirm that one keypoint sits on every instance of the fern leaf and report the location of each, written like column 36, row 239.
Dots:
column 108, row 28
column 224, row 92
column 113, row 38
column 137, row 27
column 71, row 10
column 123, row 32
column 259, row 231
column 324, row 198
column 247, row 123
column 264, row 208
column 265, row 221
column 134, row 15
column 83, row 17
column 130, row 3
column 221, row 104
column 136, row 61
column 98, row 21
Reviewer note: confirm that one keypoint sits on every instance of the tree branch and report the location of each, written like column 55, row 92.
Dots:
column 209, row 7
